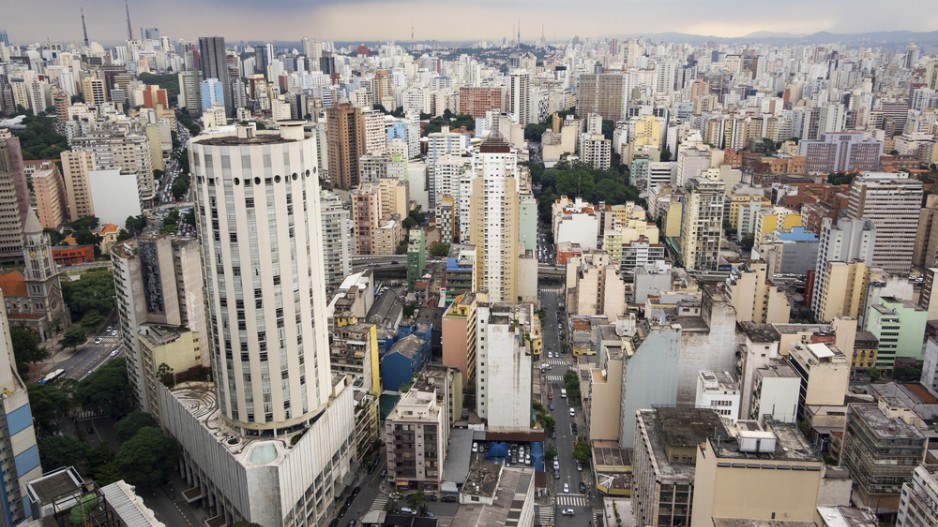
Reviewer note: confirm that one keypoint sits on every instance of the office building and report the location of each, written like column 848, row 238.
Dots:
column 918, row 503
column 214, row 62
column 595, row 151
column 520, row 103
column 702, row 225
column 508, row 335
column 416, row 433
column 891, row 201
column 345, row 143
column 128, row 154
column 824, row 371
column 212, row 93
column 336, row 240
column 494, row 218
column 881, row 451
column 445, row 164
column 158, row 284
column 235, row 434
column 605, row 94
column 477, row 100
column 850, row 243
column 841, row 152
column 94, row 91
column 189, row 92
column 926, row 236
column 755, row 297
column 76, row 166
column 14, row 196
column 899, row 325
column 49, row 193
column 17, row 437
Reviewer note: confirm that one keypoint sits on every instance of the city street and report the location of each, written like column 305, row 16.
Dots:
column 566, row 439
column 89, row 356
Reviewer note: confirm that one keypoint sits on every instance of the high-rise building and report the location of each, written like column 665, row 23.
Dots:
column 520, row 103
column 127, row 152
column 841, row 152
column 214, row 62
column 373, row 132
column 212, row 93
column 445, row 162
column 847, row 242
column 605, row 94
column 76, row 165
column 94, row 91
column 702, row 226
column 273, row 440
column 416, row 255
column 49, row 192
column 892, row 201
column 494, row 219
column 189, row 92
column 416, row 432
column 476, row 100
column 346, row 144
column 17, row 437
column 336, row 240
column 14, row 196
column 158, row 284
column 918, row 504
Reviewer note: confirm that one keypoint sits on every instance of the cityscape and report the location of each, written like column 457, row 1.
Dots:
column 530, row 274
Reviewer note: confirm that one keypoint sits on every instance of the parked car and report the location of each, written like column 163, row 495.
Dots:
column 582, row 487
column 573, row 412
column 475, row 447
column 567, row 512
column 556, row 474
column 579, row 466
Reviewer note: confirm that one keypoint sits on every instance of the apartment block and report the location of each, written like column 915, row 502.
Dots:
column 76, row 165
column 892, row 202
column 415, row 434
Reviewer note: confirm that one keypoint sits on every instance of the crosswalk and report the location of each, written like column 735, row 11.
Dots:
column 572, row 500
column 554, row 378
column 380, row 501
column 546, row 515
column 109, row 339
column 554, row 362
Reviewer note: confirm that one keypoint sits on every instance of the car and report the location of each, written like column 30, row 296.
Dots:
column 553, row 434
column 556, row 474
column 550, row 406
column 566, row 488
column 556, row 464
column 114, row 333
column 115, row 352
column 475, row 447
column 579, row 466
column 356, row 491
column 98, row 340
column 582, row 487
column 573, row 412
column 567, row 512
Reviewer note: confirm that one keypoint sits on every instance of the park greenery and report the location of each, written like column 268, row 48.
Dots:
column 92, row 293
column 579, row 179
column 40, row 140
column 26, row 348
column 168, row 81
column 454, row 121
column 439, row 250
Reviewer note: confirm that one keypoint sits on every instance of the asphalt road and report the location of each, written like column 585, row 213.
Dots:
column 90, row 356
column 565, row 438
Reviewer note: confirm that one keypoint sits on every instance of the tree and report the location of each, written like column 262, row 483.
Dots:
column 391, row 505
column 132, row 423
column 63, row 451
column 84, row 238
column 158, row 174
column 439, row 250
column 189, row 218
column 55, row 237
column 418, row 502
column 94, row 291
column 747, row 241
column 666, row 154
column 26, row 347
column 105, row 390
column 86, row 223
column 874, row 374
column 48, row 403
column 551, row 452
column 581, row 452
column 148, row 457
column 124, row 235
column 180, row 187
column 73, row 338
column 136, row 224
column 572, row 384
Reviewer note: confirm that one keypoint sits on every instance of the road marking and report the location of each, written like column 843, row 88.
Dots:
column 572, row 500
column 380, row 501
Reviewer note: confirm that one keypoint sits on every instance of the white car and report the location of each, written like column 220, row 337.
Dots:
column 98, row 340
column 573, row 412
column 556, row 463
column 567, row 512
column 475, row 447
column 566, row 487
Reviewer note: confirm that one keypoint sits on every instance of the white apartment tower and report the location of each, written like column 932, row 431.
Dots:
column 848, row 241
column 336, row 239
column 702, row 226
column 506, row 336
column 494, row 219
column 892, row 201
column 519, row 97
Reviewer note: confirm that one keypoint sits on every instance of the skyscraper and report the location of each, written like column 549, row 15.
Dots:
column 519, row 98
column 892, row 201
column 846, row 242
column 17, row 437
column 14, row 197
column 346, row 137
column 336, row 239
column 702, row 227
column 271, row 441
column 494, row 219
column 215, row 66
column 212, row 93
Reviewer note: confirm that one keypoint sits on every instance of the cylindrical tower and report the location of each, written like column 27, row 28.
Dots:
column 257, row 210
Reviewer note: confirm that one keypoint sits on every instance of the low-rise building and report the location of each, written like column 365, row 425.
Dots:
column 718, row 391
column 918, row 504
column 415, row 434
column 497, row 495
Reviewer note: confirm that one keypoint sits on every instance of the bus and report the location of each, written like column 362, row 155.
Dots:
column 51, row 376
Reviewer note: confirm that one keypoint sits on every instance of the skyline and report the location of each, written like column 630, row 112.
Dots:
column 357, row 20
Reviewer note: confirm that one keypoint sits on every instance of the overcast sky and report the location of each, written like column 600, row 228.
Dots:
column 60, row 20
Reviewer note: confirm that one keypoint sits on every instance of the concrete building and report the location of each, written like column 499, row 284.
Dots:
column 460, row 334
column 899, row 325
column 18, row 437
column 666, row 442
column 824, row 371
column 606, row 94
column 49, row 192
column 759, row 474
column 848, row 242
column 891, row 201
column 388, row 236
column 881, row 452
column 775, row 393
column 792, row 252
column 755, row 298
column 494, row 218
column 841, row 152
column 594, row 286
column 161, row 311
column 345, row 144
column 14, row 196
column 508, row 336
column 718, row 391
column 444, row 217
column 129, row 153
column 925, row 253
column 415, row 435
column 497, row 495
column 235, row 434
column 212, row 93
column 336, row 239
column 575, row 221
column 520, row 103
column 928, row 297
column 416, row 255
column 702, row 225
column 76, row 166
column 476, row 100
column 213, row 60
column 843, row 291
column 445, row 151
column 373, row 132
column 770, row 220
column 918, row 504
column 595, row 151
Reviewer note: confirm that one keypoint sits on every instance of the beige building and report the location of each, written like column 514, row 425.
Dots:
column 393, row 197
column 595, row 286
column 165, row 352
column 892, row 201
column 843, row 290
column 76, row 166
column 459, row 334
column 755, row 298
column 702, row 226
column 756, row 474
column 378, row 209
column 415, row 435
column 825, row 375
column 604, row 399
column 366, row 217
column 925, row 253
column 49, row 191
column 388, row 236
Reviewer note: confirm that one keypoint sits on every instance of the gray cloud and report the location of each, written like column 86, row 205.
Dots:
column 456, row 19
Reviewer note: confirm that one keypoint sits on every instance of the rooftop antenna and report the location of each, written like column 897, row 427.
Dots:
column 84, row 28
column 411, row 33
column 519, row 32
column 130, row 30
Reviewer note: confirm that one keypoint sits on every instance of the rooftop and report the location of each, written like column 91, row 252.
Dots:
column 762, row 333
column 259, row 138
column 482, row 478
column 880, row 425
column 511, row 493
column 790, row 444
column 688, row 427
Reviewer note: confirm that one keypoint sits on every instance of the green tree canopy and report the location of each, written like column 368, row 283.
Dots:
column 132, row 423
column 87, row 223
column 148, row 457
column 73, row 338
column 48, row 402
column 106, row 389
column 439, row 250
column 94, row 291
column 135, row 224
column 26, row 347
column 57, row 451
column 581, row 452
column 40, row 140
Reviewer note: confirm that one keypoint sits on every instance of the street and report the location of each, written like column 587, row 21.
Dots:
column 91, row 355
column 565, row 440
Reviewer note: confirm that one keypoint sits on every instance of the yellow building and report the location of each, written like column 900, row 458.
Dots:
column 843, row 292
column 648, row 131
column 737, row 200
column 672, row 219
column 166, row 352
column 775, row 219
column 755, row 298
column 865, row 350
column 755, row 474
